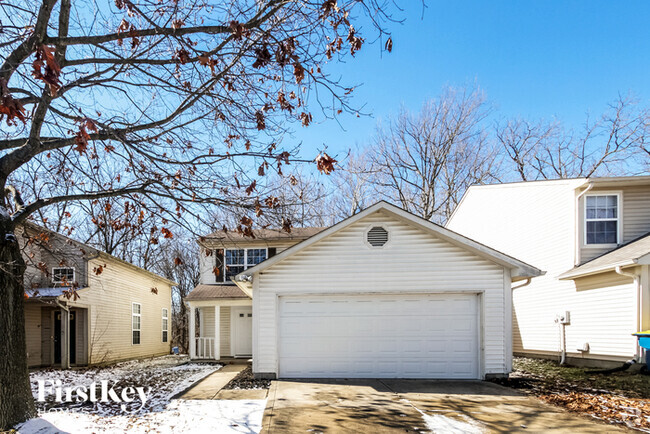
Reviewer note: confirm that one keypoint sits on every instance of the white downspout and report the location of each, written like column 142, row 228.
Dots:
column 639, row 312
column 578, row 226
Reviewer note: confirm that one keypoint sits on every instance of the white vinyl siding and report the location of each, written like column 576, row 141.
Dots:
column 224, row 331
column 108, row 299
column 533, row 222
column 536, row 223
column 414, row 261
column 636, row 213
column 207, row 321
column 33, row 334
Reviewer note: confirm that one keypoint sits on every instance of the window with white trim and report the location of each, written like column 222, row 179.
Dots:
column 64, row 275
column 136, row 323
column 165, row 325
column 602, row 219
column 238, row 260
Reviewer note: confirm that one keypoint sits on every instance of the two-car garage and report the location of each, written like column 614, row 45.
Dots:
column 383, row 294
column 379, row 336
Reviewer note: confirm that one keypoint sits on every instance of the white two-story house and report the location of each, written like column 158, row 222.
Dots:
column 221, row 320
column 592, row 238
column 383, row 293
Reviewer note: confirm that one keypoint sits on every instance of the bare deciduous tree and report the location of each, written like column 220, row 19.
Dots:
column 354, row 188
column 425, row 161
column 548, row 151
column 177, row 260
column 168, row 105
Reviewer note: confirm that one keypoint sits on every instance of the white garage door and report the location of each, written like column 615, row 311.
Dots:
column 379, row 336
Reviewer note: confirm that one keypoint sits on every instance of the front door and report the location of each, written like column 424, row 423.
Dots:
column 243, row 331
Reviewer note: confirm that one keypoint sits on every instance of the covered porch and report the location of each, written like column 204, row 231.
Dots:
column 220, row 328
column 56, row 334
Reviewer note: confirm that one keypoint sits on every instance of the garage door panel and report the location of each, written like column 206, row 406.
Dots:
column 384, row 336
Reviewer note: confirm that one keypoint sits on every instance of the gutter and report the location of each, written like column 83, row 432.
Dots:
column 576, row 251
column 639, row 313
column 570, row 275
column 526, row 283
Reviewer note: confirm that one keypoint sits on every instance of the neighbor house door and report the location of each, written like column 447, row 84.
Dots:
column 242, row 326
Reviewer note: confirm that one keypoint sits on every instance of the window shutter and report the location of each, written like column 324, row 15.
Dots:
column 271, row 251
column 218, row 267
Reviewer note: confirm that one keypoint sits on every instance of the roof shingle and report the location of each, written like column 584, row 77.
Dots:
column 215, row 292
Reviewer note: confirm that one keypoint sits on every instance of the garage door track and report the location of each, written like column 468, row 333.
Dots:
column 375, row 406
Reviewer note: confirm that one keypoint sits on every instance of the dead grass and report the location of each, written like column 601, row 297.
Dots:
column 619, row 397
column 630, row 383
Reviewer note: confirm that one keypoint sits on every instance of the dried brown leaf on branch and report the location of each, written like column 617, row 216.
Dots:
column 9, row 107
column 46, row 68
column 325, row 163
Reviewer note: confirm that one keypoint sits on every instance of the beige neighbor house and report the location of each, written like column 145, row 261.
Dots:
column 381, row 294
column 121, row 312
column 592, row 237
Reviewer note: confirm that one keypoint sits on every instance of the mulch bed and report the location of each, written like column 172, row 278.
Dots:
column 246, row 380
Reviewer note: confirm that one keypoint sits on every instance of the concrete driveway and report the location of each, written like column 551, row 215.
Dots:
column 375, row 406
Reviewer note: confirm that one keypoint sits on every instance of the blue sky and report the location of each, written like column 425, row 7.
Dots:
column 534, row 59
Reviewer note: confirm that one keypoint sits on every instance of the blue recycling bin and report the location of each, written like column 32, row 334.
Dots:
column 644, row 342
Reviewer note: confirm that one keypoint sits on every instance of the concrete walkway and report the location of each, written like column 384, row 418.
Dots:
column 210, row 386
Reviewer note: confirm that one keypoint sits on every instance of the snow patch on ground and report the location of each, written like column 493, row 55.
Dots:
column 167, row 376
column 440, row 424
column 180, row 416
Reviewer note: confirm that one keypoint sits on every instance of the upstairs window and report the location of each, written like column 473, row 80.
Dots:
column 238, row 260
column 602, row 219
column 63, row 275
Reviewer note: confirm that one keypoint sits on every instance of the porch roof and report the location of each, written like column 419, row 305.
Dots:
column 215, row 292
column 46, row 292
column 635, row 252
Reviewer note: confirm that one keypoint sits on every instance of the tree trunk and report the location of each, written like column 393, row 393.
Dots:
column 16, row 400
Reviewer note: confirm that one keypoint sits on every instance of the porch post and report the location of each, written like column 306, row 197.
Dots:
column 65, row 338
column 192, row 331
column 217, row 334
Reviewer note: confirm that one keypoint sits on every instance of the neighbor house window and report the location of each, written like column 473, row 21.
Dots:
column 602, row 219
column 165, row 325
column 63, row 275
column 136, row 323
column 237, row 260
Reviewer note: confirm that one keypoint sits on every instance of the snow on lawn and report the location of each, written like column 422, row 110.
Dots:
column 166, row 376
column 180, row 416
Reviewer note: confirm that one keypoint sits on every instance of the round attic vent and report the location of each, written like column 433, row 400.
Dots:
column 377, row 236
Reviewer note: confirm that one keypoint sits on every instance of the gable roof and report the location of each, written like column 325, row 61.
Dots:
column 519, row 269
column 635, row 252
column 90, row 252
